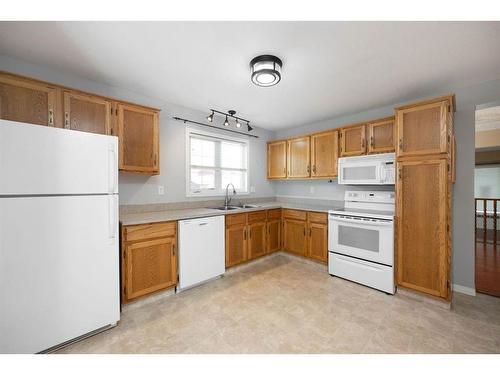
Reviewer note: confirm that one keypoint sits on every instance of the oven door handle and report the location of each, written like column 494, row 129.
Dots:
column 375, row 222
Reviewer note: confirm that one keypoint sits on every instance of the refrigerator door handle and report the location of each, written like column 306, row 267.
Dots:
column 111, row 218
column 112, row 169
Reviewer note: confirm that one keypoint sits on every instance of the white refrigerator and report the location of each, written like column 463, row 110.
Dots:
column 59, row 246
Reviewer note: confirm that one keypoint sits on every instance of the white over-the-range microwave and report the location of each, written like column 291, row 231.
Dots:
column 378, row 169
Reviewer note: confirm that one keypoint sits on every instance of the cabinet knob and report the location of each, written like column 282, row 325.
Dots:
column 66, row 120
column 51, row 117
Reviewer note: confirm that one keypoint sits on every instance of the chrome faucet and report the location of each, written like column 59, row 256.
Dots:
column 227, row 200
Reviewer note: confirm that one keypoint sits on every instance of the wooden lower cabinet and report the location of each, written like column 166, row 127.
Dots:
column 306, row 234
column 149, row 261
column 294, row 236
column 256, row 240
column 236, row 244
column 273, row 235
column 423, row 243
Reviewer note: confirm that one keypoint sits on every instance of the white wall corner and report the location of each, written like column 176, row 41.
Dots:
column 464, row 290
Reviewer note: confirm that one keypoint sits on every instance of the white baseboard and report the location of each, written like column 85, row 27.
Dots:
column 464, row 290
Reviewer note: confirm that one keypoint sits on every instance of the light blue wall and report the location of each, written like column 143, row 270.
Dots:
column 140, row 189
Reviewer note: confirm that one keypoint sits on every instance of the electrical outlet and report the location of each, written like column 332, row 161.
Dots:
column 161, row 190
column 252, row 189
column 311, row 189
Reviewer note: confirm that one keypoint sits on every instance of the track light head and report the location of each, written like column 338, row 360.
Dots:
column 249, row 128
column 226, row 122
column 238, row 123
column 210, row 117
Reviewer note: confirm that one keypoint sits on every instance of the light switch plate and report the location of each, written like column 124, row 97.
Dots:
column 311, row 189
column 252, row 189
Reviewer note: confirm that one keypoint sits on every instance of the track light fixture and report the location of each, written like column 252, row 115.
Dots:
column 210, row 117
column 229, row 114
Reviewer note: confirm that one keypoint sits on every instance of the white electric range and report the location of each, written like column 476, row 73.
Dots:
column 361, row 239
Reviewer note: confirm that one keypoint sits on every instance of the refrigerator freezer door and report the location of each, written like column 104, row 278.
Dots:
column 40, row 160
column 59, row 269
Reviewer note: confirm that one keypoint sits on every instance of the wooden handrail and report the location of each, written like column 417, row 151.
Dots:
column 485, row 213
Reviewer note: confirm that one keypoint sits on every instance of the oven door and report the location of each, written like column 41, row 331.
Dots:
column 363, row 238
column 360, row 173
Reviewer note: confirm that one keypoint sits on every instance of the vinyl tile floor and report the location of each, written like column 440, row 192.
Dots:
column 281, row 304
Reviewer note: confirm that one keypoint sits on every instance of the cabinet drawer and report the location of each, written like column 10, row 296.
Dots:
column 295, row 214
column 235, row 219
column 274, row 214
column 318, row 217
column 257, row 216
column 145, row 231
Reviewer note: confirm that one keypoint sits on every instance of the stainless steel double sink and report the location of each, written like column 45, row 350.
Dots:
column 237, row 207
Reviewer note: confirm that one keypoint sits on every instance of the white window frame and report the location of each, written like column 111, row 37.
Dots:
column 215, row 192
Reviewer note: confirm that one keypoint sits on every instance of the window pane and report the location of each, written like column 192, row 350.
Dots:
column 233, row 155
column 202, row 179
column 202, row 152
column 237, row 178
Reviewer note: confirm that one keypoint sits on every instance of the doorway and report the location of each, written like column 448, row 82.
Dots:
column 487, row 198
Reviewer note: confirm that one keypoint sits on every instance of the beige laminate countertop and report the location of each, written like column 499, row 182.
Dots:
column 192, row 213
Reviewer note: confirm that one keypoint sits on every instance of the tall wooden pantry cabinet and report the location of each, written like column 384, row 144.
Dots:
column 424, row 133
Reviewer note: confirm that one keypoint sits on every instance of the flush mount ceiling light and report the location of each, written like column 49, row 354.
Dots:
column 266, row 70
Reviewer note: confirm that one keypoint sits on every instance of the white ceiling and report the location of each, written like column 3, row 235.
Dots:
column 330, row 68
column 488, row 119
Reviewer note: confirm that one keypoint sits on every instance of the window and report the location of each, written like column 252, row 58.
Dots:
column 213, row 161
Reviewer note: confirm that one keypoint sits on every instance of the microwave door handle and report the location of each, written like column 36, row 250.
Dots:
column 364, row 222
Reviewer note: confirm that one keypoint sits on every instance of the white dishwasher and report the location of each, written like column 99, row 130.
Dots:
column 201, row 250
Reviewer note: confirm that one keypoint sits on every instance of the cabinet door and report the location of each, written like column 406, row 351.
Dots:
column 139, row 139
column 87, row 113
column 236, row 244
column 28, row 101
column 273, row 236
column 299, row 165
column 422, row 251
column 317, row 242
column 324, row 154
column 352, row 141
column 151, row 266
column 422, row 129
column 381, row 136
column 256, row 240
column 294, row 234
column 276, row 160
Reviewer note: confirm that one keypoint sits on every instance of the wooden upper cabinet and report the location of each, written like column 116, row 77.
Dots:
column 422, row 129
column 29, row 101
column 422, row 208
column 87, row 113
column 353, row 140
column 324, row 154
column 151, row 266
column 276, row 160
column 381, row 136
column 298, row 161
column 138, row 133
